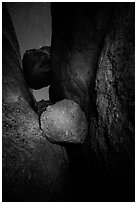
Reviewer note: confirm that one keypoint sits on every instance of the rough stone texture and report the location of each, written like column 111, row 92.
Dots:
column 32, row 169
column 64, row 122
column 113, row 138
column 76, row 44
column 36, row 67
column 104, row 164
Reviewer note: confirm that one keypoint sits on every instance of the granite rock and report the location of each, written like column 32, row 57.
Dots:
column 64, row 122
column 36, row 67
column 112, row 131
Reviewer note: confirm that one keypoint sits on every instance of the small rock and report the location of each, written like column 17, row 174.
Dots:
column 41, row 106
column 64, row 122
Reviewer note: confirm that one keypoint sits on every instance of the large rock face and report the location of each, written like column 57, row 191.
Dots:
column 114, row 131
column 33, row 168
column 76, row 44
column 92, row 62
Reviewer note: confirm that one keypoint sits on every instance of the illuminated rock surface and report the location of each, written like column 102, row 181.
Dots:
column 64, row 122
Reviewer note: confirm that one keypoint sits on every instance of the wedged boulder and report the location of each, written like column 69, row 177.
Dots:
column 64, row 122
column 32, row 169
column 36, row 67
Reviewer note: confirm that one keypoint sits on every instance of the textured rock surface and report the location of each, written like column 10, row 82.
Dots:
column 64, row 122
column 32, row 169
column 36, row 67
column 114, row 132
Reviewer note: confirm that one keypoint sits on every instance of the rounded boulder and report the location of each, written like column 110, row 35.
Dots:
column 64, row 122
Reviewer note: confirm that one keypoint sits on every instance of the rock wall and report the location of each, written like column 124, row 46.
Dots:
column 113, row 138
column 78, row 31
column 92, row 63
column 32, row 169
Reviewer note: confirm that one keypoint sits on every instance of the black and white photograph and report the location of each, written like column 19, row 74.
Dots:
column 68, row 101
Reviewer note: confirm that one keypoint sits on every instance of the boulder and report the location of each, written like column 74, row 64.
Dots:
column 64, row 122
column 36, row 67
